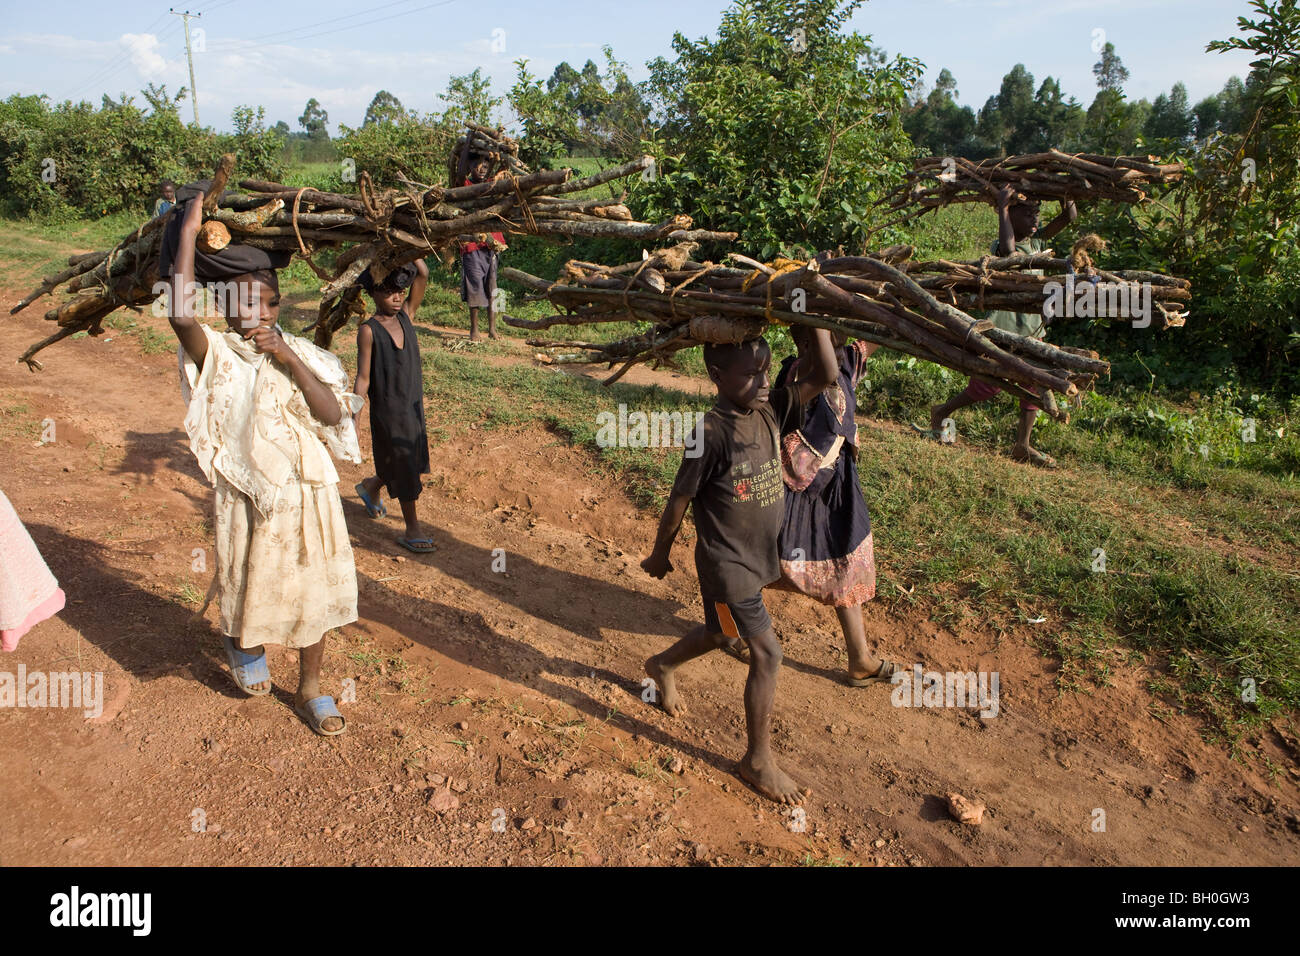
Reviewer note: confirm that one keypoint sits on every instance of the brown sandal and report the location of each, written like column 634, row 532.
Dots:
column 885, row 674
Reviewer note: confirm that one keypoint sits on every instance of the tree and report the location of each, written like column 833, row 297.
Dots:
column 939, row 127
column 585, row 111
column 1170, row 118
column 160, row 101
column 1110, row 71
column 469, row 99
column 1113, row 124
column 384, row 108
column 282, row 128
column 1058, row 122
column 315, row 120
column 787, row 127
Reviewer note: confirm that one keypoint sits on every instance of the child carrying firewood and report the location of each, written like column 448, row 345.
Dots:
column 263, row 407
column 390, row 375
column 478, row 263
column 735, row 485
column 1018, row 232
column 825, row 545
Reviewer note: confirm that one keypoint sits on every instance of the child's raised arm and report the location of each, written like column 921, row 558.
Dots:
column 365, row 348
column 824, row 369
column 416, row 295
column 186, row 328
column 1006, row 231
column 1069, row 212
column 658, row 564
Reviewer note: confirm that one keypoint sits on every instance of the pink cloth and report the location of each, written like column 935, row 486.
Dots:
column 29, row 593
column 51, row 607
column 983, row 391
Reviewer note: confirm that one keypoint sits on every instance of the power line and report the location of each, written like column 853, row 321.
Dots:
column 394, row 16
column 114, row 65
column 262, row 37
column 120, row 63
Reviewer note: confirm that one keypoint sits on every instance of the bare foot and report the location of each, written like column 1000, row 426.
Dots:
column 667, row 693
column 772, row 782
column 936, row 418
column 1033, row 456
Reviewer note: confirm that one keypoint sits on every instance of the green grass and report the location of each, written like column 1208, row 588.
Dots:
column 152, row 341
column 31, row 249
column 962, row 231
column 1202, row 583
column 978, row 541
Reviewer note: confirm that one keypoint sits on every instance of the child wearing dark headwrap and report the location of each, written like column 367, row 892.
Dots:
column 263, row 408
column 390, row 375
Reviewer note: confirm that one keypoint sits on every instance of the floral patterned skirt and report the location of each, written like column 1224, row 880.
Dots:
column 288, row 577
column 826, row 545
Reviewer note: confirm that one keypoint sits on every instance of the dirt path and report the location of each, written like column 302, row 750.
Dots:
column 516, row 695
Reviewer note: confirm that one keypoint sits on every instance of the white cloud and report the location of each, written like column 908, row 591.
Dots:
column 143, row 50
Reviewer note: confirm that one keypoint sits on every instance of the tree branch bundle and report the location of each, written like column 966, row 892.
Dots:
column 939, row 181
column 1064, row 289
column 690, row 303
column 383, row 228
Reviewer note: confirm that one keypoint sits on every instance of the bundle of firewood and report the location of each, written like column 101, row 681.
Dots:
column 501, row 152
column 1060, row 289
column 382, row 229
column 868, row 297
column 942, row 180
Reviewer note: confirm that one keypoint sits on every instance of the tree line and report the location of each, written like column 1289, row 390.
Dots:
column 1023, row 117
column 787, row 126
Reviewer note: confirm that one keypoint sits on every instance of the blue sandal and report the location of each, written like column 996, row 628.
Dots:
column 247, row 669
column 423, row 545
column 375, row 509
column 319, row 709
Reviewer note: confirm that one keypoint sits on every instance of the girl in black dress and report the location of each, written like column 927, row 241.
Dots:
column 390, row 377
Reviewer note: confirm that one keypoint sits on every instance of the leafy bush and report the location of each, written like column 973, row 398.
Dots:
column 73, row 159
column 416, row 147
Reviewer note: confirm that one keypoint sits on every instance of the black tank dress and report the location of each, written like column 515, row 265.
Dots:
column 396, row 396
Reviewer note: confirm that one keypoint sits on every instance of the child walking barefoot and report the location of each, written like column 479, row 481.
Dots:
column 735, row 485
column 262, row 408
column 1017, row 232
column 826, row 543
column 390, row 375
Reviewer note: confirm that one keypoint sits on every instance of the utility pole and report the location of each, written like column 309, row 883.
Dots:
column 194, row 93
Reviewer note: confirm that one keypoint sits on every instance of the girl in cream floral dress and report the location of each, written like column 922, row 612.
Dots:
column 263, row 408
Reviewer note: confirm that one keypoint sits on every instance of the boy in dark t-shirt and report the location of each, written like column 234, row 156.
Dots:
column 739, row 503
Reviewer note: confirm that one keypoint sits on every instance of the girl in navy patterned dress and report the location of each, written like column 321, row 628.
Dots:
column 826, row 545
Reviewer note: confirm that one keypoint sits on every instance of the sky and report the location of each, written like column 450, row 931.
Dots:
column 341, row 52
